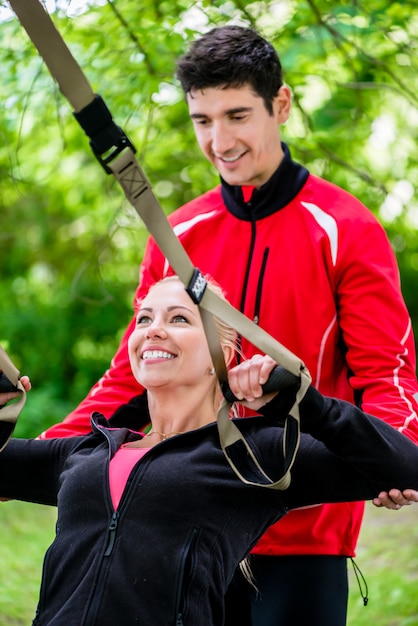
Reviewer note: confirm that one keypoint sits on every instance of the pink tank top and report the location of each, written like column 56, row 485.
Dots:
column 119, row 469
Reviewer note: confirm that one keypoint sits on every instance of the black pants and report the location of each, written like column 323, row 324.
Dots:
column 291, row 591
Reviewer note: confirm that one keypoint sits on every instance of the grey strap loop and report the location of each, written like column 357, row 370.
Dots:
column 137, row 188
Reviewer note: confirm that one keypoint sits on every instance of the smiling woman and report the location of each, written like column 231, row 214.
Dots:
column 170, row 357
column 163, row 521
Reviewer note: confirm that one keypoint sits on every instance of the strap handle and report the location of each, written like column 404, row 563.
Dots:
column 10, row 413
column 117, row 155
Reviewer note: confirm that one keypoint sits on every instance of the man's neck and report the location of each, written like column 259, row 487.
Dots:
column 249, row 203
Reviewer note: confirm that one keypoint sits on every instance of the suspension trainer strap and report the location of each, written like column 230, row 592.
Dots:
column 116, row 154
column 10, row 413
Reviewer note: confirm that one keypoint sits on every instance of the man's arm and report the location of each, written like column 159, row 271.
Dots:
column 377, row 332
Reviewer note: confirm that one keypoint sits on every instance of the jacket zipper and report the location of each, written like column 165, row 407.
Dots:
column 248, row 268
column 112, row 529
column 260, row 286
column 246, row 280
column 113, row 526
column 257, row 306
column 181, row 587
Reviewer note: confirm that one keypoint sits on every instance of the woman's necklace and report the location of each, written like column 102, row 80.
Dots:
column 164, row 436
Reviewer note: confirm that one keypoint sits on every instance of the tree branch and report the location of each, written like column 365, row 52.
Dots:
column 338, row 37
column 132, row 36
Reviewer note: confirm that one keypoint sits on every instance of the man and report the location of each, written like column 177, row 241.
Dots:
column 311, row 265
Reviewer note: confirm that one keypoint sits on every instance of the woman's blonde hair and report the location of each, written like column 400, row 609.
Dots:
column 227, row 335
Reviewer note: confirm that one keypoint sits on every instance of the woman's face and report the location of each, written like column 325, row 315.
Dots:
column 168, row 345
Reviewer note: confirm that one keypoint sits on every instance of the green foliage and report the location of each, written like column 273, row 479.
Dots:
column 71, row 246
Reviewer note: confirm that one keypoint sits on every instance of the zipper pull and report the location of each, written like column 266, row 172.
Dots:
column 112, row 533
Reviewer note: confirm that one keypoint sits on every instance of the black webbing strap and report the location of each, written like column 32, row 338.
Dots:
column 117, row 155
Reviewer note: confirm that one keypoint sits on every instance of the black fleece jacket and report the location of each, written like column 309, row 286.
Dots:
column 167, row 555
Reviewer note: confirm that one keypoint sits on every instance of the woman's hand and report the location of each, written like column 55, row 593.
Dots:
column 8, row 396
column 246, row 379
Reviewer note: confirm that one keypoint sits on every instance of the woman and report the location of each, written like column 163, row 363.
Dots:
column 151, row 527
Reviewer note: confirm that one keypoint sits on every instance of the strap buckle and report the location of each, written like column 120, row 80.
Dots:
column 107, row 140
column 197, row 286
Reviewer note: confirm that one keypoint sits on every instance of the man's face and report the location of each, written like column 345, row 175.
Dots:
column 237, row 134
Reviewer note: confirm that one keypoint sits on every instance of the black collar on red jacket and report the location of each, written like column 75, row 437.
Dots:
column 275, row 194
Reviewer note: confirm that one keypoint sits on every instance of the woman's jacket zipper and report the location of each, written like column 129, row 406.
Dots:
column 111, row 538
column 96, row 599
column 186, row 567
column 113, row 526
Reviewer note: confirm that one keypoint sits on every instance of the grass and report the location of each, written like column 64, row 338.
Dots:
column 387, row 555
column 26, row 530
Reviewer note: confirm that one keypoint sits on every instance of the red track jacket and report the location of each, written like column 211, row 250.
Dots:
column 310, row 264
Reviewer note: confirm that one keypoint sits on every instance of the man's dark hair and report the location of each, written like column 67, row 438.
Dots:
column 232, row 56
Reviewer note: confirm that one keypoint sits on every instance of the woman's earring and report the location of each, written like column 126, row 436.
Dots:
column 212, row 371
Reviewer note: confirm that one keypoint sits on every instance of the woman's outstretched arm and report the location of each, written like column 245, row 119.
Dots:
column 345, row 454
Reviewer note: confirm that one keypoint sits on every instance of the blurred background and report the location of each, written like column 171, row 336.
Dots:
column 70, row 243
